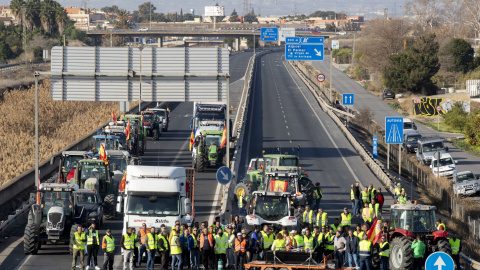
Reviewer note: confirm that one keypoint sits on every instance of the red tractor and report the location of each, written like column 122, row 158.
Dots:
column 407, row 222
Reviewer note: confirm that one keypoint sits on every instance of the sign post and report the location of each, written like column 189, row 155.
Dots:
column 393, row 135
column 286, row 32
column 437, row 156
column 439, row 109
column 375, row 147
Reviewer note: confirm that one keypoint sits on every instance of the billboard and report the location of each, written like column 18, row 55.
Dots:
column 286, row 32
column 215, row 11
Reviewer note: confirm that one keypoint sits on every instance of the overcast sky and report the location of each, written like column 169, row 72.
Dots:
column 265, row 7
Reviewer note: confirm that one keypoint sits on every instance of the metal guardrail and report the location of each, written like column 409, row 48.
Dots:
column 16, row 66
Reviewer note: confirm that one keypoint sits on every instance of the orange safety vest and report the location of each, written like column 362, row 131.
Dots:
column 143, row 236
column 288, row 243
column 240, row 246
column 202, row 240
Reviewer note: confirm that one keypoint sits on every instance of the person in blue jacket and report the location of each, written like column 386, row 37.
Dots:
column 194, row 248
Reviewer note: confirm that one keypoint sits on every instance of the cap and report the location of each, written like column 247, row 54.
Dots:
column 345, row 208
column 304, row 230
column 108, row 230
column 293, row 231
column 239, row 234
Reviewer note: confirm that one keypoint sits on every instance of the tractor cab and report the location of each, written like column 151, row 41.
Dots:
column 274, row 160
column 414, row 218
column 56, row 195
column 93, row 174
column 110, row 142
column 68, row 162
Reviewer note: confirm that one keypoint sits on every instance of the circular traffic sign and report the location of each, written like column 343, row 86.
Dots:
column 320, row 77
column 439, row 108
column 224, row 175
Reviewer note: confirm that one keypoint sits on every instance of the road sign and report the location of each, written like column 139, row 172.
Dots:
column 335, row 44
column 269, row 34
column 320, row 77
column 439, row 108
column 286, row 32
column 347, row 99
column 224, row 175
column 394, row 129
column 439, row 261
column 375, row 147
column 304, row 48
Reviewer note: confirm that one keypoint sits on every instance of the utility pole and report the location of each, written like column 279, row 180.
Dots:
column 24, row 32
column 331, row 76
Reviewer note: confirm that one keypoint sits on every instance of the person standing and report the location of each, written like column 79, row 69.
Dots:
column 221, row 243
column 317, row 196
column 135, row 250
column 78, row 247
column 321, row 218
column 402, row 199
column 380, row 199
column 365, row 253
column 92, row 245
column 241, row 204
column 248, row 254
column 346, row 221
column 308, row 217
column 142, row 248
column 176, row 251
column 418, row 251
column 240, row 246
column 384, row 252
column 456, row 245
column 351, row 248
column 352, row 198
column 152, row 240
column 329, row 244
column 339, row 249
column 288, row 241
column 365, row 196
column 163, row 249
column 372, row 192
column 367, row 214
column 356, row 195
column 309, row 241
column 128, row 245
column 279, row 244
column 298, row 240
column 231, row 242
column 440, row 225
column 206, row 247
column 266, row 240
column 254, row 245
column 184, row 245
column 335, row 225
column 194, row 248
column 108, row 246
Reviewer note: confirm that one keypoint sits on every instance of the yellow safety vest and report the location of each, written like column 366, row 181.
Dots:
column 110, row 244
column 346, row 219
column 267, row 240
column 240, row 201
column 444, row 228
column 455, row 246
column 335, row 228
column 329, row 239
column 231, row 238
column 175, row 249
column 365, row 246
column 320, row 237
column 165, row 244
column 299, row 240
column 280, row 244
column 316, row 195
column 358, row 234
column 310, row 214
column 308, row 242
column 152, row 241
column 352, row 195
column 90, row 237
column 367, row 216
column 136, row 240
column 365, row 196
column 402, row 199
column 324, row 219
column 386, row 252
column 221, row 244
column 129, row 241
column 77, row 244
column 372, row 194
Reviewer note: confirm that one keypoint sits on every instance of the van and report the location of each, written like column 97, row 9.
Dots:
column 427, row 147
column 408, row 124
column 410, row 140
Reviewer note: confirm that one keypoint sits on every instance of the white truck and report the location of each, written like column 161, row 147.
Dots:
column 158, row 195
column 445, row 166
column 465, row 184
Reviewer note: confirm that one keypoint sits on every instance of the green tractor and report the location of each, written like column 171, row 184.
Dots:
column 137, row 144
column 206, row 151
column 96, row 174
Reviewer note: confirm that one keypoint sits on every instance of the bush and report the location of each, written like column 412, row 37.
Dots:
column 343, row 56
column 472, row 128
column 38, row 53
column 456, row 117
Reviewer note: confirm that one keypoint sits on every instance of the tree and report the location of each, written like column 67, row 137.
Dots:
column 144, row 9
column 426, row 13
column 123, row 22
column 234, row 17
column 323, row 14
column 112, row 9
column 181, row 14
column 5, row 51
column 471, row 10
column 330, row 27
column 250, row 17
column 188, row 17
column 461, row 54
column 413, row 69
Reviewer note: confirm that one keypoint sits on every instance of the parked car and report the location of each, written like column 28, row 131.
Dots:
column 145, row 29
column 445, row 166
column 427, row 148
column 410, row 140
column 387, row 93
column 342, row 33
column 465, row 184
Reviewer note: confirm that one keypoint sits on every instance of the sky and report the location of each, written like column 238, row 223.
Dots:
column 264, row 7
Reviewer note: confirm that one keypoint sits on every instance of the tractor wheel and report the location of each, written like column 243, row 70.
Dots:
column 73, row 229
column 376, row 257
column 444, row 246
column 30, row 244
column 109, row 209
column 200, row 166
column 240, row 188
column 401, row 253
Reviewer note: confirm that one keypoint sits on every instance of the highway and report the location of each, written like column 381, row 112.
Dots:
column 363, row 98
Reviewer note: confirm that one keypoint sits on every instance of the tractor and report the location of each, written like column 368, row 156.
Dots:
column 207, row 151
column 54, row 219
column 118, row 161
column 68, row 162
column 110, row 142
column 136, row 145
column 407, row 222
column 152, row 124
column 96, row 174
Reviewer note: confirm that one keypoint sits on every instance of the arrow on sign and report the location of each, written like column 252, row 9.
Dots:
column 317, row 52
column 225, row 177
column 439, row 263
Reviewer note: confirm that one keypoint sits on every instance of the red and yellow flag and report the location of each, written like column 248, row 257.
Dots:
column 375, row 231
column 224, row 137
column 114, row 118
column 102, row 154
column 192, row 140
column 121, row 187
column 127, row 130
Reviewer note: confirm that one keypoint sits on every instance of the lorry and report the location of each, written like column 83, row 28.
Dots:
column 465, row 184
column 445, row 166
column 427, row 147
column 208, row 112
column 158, row 195
column 270, row 208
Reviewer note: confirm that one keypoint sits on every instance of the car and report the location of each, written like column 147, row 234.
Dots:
column 465, row 184
column 445, row 166
column 145, row 29
column 387, row 93
column 427, row 147
column 409, row 124
column 92, row 204
column 342, row 33
column 410, row 140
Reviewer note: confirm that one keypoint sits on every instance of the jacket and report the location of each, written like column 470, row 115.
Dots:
column 339, row 243
column 356, row 192
column 182, row 241
column 380, row 199
column 418, row 249
column 191, row 243
column 352, row 245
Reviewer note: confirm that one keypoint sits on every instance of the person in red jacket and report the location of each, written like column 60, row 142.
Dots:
column 379, row 198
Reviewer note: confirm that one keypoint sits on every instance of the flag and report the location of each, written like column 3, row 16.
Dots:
column 102, row 154
column 192, row 140
column 375, row 231
column 224, row 137
column 127, row 130
column 113, row 117
column 124, row 181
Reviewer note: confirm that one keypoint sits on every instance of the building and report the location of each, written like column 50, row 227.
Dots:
column 84, row 17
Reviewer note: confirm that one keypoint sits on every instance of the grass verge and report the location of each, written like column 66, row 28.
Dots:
column 465, row 146
column 443, row 127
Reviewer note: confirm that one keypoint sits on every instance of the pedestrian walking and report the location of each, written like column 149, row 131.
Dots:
column 456, row 245
column 152, row 241
column 128, row 245
column 78, row 247
column 365, row 253
column 384, row 252
column 108, row 246
column 93, row 245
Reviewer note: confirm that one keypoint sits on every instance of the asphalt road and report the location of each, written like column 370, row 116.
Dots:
column 381, row 109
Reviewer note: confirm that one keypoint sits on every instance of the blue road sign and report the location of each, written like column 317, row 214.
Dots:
column 269, row 34
column 348, row 99
column 394, row 129
column 304, row 48
column 375, row 147
column 224, row 175
column 439, row 261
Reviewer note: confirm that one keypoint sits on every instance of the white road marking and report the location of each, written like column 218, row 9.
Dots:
column 288, row 133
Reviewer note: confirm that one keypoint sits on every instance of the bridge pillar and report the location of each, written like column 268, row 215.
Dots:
column 160, row 42
column 237, row 44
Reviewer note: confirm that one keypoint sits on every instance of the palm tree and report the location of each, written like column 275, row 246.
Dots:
column 32, row 18
column 47, row 15
column 61, row 18
column 16, row 6
column 122, row 22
